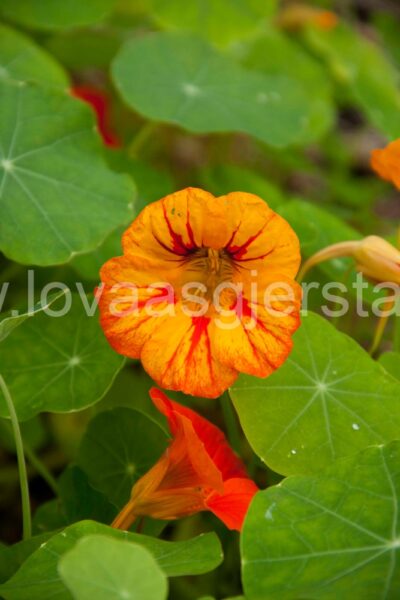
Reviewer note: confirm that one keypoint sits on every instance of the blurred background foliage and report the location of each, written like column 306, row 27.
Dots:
column 313, row 167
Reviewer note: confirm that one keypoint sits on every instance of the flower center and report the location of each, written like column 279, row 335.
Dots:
column 205, row 270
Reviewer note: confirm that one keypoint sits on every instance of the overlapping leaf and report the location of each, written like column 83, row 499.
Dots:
column 120, row 445
column 329, row 400
column 105, row 568
column 58, row 364
column 38, row 574
column 21, row 59
column 332, row 536
column 57, row 196
column 176, row 78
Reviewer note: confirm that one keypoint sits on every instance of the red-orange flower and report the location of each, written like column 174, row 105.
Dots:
column 99, row 102
column 386, row 162
column 205, row 290
column 198, row 471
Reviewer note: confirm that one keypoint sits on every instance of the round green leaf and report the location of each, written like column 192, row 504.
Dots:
column 57, row 196
column 107, row 569
column 53, row 14
column 180, row 79
column 38, row 577
column 58, row 364
column 330, row 536
column 21, row 59
column 328, row 400
column 120, row 445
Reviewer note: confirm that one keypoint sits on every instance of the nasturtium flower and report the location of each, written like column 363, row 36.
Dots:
column 386, row 162
column 205, row 290
column 297, row 16
column 99, row 102
column 375, row 258
column 197, row 472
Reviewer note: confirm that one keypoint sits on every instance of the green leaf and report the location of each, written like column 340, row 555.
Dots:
column 204, row 17
column 12, row 319
column 120, row 446
column 52, row 14
column 49, row 517
column 362, row 67
column 275, row 53
column 11, row 557
column 329, row 400
column 391, row 362
column 332, row 536
column 54, row 183
column 80, row 501
column 106, row 569
column 152, row 184
column 221, row 179
column 176, row 78
column 58, row 364
column 21, row 59
column 38, row 577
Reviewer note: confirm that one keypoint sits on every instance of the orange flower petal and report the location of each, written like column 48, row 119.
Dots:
column 178, row 356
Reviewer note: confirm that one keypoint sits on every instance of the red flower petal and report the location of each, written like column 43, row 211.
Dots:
column 212, row 437
column 231, row 506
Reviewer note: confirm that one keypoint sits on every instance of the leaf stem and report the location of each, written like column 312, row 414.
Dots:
column 41, row 468
column 23, row 478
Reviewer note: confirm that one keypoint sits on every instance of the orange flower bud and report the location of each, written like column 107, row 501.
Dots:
column 377, row 259
column 374, row 256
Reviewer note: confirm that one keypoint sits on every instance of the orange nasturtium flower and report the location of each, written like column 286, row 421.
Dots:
column 386, row 162
column 205, row 290
column 197, row 472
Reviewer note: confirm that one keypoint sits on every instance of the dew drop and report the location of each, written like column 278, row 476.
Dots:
column 355, row 426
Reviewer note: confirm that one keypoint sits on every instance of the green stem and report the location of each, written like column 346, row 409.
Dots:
column 23, row 478
column 41, row 468
column 141, row 138
column 231, row 423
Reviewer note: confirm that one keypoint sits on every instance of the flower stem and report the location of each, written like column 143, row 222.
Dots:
column 141, row 138
column 381, row 326
column 23, row 478
column 41, row 468
column 231, row 423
